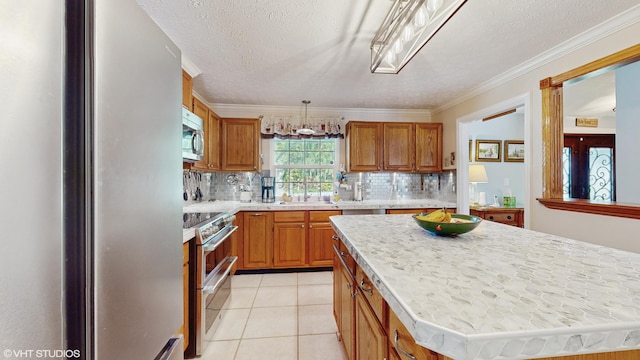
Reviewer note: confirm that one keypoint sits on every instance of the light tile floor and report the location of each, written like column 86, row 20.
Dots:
column 278, row 317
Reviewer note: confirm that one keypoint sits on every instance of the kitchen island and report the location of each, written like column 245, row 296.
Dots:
column 499, row 292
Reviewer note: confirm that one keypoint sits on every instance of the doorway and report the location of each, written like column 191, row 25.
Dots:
column 588, row 167
column 462, row 148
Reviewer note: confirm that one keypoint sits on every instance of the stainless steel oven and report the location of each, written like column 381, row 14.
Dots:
column 213, row 272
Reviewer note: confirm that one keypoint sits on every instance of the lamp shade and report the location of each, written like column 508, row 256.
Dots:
column 477, row 173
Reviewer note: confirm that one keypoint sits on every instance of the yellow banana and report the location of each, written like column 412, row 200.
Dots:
column 436, row 216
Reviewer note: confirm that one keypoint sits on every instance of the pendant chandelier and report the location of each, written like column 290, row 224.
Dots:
column 306, row 129
column 297, row 126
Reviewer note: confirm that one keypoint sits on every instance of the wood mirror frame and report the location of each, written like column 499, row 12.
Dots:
column 553, row 142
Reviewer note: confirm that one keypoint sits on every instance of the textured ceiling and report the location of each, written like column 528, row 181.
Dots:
column 278, row 52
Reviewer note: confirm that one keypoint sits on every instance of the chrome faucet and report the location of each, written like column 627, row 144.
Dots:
column 305, row 196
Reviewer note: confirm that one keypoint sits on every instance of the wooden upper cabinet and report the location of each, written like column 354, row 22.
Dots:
column 428, row 147
column 364, row 146
column 213, row 145
column 240, row 144
column 187, row 87
column 394, row 146
column 399, row 146
column 200, row 109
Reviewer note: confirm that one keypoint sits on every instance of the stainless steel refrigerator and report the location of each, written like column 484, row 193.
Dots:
column 90, row 206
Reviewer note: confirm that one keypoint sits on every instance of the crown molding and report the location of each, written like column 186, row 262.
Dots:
column 246, row 110
column 189, row 66
column 596, row 33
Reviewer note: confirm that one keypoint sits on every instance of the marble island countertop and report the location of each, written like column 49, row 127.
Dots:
column 233, row 207
column 499, row 292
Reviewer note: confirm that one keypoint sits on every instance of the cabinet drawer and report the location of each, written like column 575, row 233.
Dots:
column 503, row 217
column 288, row 216
column 371, row 294
column 323, row 215
column 348, row 259
column 404, row 344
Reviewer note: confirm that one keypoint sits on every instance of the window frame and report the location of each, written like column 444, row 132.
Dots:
column 552, row 142
column 334, row 167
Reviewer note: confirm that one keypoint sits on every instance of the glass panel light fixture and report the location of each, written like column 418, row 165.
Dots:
column 408, row 26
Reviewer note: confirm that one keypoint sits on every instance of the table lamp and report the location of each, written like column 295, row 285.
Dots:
column 477, row 174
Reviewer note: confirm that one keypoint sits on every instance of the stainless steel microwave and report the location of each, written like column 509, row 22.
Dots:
column 192, row 136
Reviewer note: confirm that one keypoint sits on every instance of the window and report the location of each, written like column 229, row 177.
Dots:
column 304, row 166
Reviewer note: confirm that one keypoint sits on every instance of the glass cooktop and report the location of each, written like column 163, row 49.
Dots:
column 190, row 220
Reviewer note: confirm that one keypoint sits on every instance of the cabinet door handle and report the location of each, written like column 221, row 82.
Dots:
column 509, row 217
column 403, row 352
column 364, row 288
column 352, row 293
column 335, row 237
column 491, row 217
column 303, row 226
column 344, row 254
column 310, row 226
column 256, row 214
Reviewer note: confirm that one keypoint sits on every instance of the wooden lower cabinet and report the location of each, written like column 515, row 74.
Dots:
column 258, row 240
column 371, row 339
column 289, row 241
column 393, row 355
column 320, row 249
column 509, row 216
column 347, row 313
column 286, row 239
column 401, row 342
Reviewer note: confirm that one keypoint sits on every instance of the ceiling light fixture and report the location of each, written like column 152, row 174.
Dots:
column 408, row 26
column 306, row 128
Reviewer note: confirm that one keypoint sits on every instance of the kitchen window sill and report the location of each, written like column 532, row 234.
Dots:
column 617, row 209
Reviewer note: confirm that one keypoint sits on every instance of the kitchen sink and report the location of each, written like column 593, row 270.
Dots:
column 363, row 212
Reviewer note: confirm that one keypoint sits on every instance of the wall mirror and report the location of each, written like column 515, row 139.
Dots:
column 601, row 73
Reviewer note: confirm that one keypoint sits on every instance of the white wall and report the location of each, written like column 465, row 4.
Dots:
column 508, row 127
column 628, row 132
column 607, row 230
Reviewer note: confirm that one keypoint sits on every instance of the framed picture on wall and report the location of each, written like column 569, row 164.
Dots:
column 514, row 150
column 470, row 147
column 488, row 150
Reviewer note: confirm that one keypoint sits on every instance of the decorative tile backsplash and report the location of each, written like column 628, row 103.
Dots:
column 385, row 186
column 376, row 186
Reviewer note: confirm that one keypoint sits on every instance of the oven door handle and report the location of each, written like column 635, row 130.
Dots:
column 208, row 247
column 210, row 289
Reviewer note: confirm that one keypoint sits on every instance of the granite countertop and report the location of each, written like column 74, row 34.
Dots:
column 236, row 206
column 233, row 207
column 499, row 292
